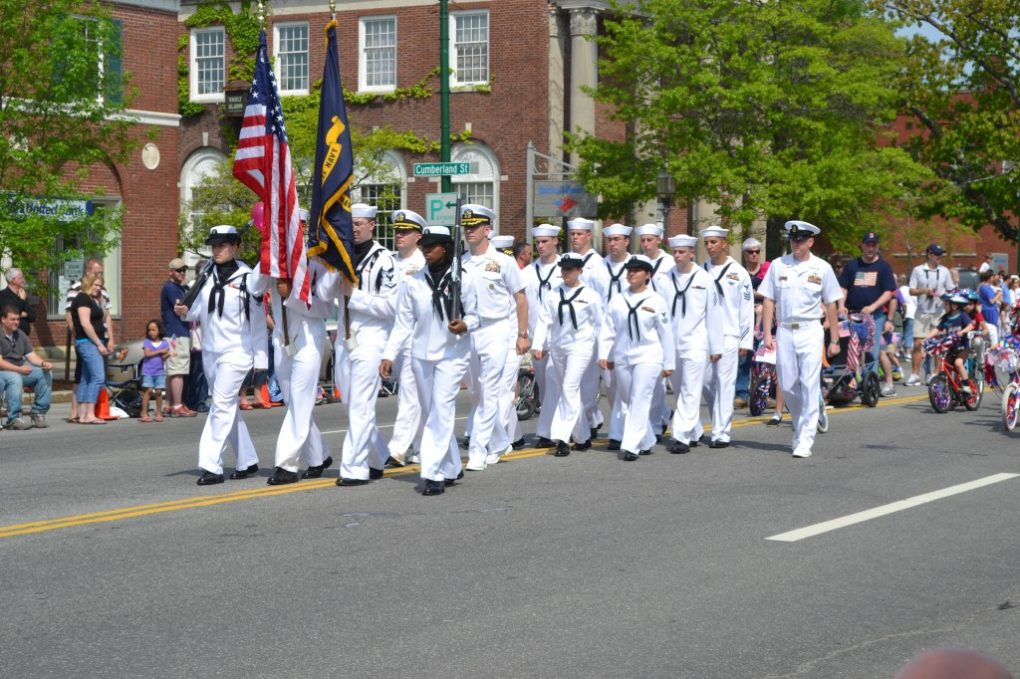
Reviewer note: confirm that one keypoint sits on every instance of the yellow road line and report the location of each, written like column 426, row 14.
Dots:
column 136, row 511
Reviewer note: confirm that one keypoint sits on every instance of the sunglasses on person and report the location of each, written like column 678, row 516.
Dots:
column 183, row 269
column 753, row 252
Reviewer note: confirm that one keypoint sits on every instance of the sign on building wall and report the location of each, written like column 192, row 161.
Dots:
column 563, row 199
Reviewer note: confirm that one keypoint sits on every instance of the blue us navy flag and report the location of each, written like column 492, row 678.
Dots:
column 331, row 233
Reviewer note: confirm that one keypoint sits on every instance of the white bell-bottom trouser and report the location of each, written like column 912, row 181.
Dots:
column 566, row 368
column 409, row 423
column 688, row 381
column 357, row 375
column 225, row 373
column 635, row 384
column 799, row 367
column 298, row 376
column 549, row 390
column 719, row 389
column 490, row 344
column 438, row 386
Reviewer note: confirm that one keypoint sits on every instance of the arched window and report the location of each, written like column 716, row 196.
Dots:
column 199, row 165
column 481, row 187
column 383, row 187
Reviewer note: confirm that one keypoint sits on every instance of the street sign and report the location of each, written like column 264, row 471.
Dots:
column 440, row 169
column 441, row 209
column 563, row 199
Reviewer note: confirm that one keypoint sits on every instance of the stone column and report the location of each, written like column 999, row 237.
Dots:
column 583, row 68
column 557, row 84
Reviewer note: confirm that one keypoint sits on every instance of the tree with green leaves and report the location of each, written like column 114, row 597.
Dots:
column 770, row 110
column 61, row 90
column 962, row 85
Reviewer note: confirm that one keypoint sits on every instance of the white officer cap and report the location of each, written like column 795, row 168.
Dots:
column 640, row 262
column 617, row 230
column 580, row 224
column 798, row 227
column 683, row 241
column 303, row 215
column 649, row 230
column 408, row 219
column 472, row 215
column 715, row 231
column 547, row 230
column 501, row 242
column 364, row 211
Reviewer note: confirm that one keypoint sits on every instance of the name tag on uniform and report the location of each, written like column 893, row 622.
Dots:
column 648, row 309
column 817, row 280
column 782, row 279
column 492, row 266
column 698, row 287
column 733, row 277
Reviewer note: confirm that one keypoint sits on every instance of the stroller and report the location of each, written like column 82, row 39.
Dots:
column 852, row 373
column 123, row 380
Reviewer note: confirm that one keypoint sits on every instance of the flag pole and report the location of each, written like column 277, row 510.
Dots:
column 347, row 298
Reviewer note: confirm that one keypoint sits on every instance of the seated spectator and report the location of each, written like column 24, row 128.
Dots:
column 21, row 367
column 16, row 296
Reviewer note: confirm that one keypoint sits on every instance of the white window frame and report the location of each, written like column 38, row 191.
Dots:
column 217, row 97
column 199, row 165
column 397, row 178
column 455, row 77
column 486, row 170
column 278, row 62
column 363, row 85
column 100, row 54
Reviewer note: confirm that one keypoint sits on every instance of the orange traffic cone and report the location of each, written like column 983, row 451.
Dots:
column 264, row 392
column 103, row 406
column 336, row 393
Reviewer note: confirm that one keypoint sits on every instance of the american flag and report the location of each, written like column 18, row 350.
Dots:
column 263, row 164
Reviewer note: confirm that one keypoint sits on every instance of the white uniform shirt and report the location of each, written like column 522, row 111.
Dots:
column 556, row 329
column 800, row 288
column 419, row 323
column 591, row 262
column 496, row 278
column 735, row 299
column 373, row 303
column 411, row 265
column 539, row 282
column 635, row 329
column 321, row 303
column 661, row 265
column 690, row 301
column 234, row 330
column 610, row 279
column 938, row 279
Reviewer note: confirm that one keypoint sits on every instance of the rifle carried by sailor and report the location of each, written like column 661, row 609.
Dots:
column 457, row 313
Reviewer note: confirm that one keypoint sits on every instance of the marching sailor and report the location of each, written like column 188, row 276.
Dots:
column 407, row 230
column 440, row 350
column 541, row 277
column 233, row 342
column 609, row 282
column 649, row 239
column 508, row 387
column 735, row 302
column 569, row 320
column 581, row 232
column 366, row 318
column 635, row 332
column 690, row 298
column 797, row 288
column 503, row 327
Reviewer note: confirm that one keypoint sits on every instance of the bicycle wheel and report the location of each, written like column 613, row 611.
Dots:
column 1010, row 406
column 870, row 390
column 527, row 402
column 823, row 415
column 940, row 393
column 758, row 393
column 973, row 401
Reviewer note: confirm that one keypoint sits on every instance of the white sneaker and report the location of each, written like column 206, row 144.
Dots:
column 413, row 458
column 492, row 458
column 475, row 465
column 801, row 452
column 912, row 381
column 887, row 390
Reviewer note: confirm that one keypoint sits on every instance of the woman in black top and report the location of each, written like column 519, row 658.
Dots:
column 87, row 315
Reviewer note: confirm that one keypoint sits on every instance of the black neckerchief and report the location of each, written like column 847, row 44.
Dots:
column 360, row 250
column 615, row 279
column 681, row 295
column 569, row 303
column 442, row 301
column 221, row 276
column 718, row 285
column 543, row 283
column 632, row 319
column 364, row 261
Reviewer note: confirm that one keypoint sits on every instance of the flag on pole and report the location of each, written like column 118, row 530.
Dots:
column 332, row 237
column 263, row 164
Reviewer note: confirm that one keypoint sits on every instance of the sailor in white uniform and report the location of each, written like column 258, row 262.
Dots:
column 581, row 233
column 570, row 317
column 635, row 331
column 366, row 318
column 797, row 287
column 690, row 298
column 407, row 230
column 610, row 280
column 508, row 387
column 233, row 342
column 503, row 327
column 541, row 277
column 438, row 335
column 735, row 302
column 649, row 240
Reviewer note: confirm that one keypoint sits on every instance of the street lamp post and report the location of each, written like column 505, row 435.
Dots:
column 665, row 188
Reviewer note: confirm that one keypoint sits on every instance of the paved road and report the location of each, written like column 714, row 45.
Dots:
column 116, row 565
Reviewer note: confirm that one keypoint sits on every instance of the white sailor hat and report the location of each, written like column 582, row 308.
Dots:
column 715, row 231
column 501, row 242
column 364, row 211
column 639, row 262
column 435, row 235
column 472, row 215
column 303, row 215
column 683, row 241
column 796, row 227
column 617, row 230
column 569, row 260
column 547, row 230
column 580, row 224
column 408, row 219
column 223, row 233
column 649, row 230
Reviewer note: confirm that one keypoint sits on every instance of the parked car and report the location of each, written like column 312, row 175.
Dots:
column 969, row 279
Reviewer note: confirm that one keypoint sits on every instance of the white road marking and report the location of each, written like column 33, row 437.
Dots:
column 867, row 515
column 381, row 426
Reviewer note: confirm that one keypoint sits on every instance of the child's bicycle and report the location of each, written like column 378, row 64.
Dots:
column 1002, row 372
column 945, row 390
column 764, row 384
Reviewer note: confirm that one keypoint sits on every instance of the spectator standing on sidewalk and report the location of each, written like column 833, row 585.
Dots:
column 928, row 282
column 868, row 286
column 991, row 297
column 908, row 307
column 756, row 267
column 178, row 335
column 16, row 295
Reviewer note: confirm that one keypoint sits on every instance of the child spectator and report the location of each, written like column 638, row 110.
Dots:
column 156, row 349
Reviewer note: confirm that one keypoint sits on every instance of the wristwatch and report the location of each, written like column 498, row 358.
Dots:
column 522, row 335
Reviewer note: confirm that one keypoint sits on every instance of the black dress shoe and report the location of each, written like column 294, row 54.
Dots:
column 351, row 482
column 375, row 474
column 594, row 431
column 678, row 447
column 315, row 471
column 719, row 444
column 646, row 452
column 614, row 444
column 465, row 442
column 583, row 446
column 629, row 456
column 208, row 478
column 282, row 477
column 518, row 444
column 239, row 474
column 543, row 442
column 450, row 482
column 562, row 449
column 433, row 488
